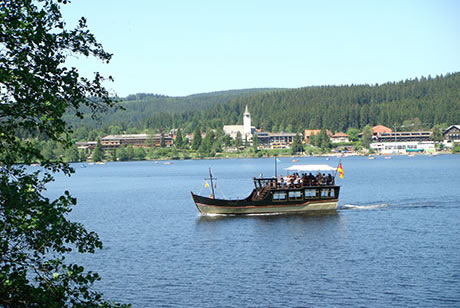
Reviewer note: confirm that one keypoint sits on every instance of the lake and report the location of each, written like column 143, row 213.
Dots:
column 394, row 242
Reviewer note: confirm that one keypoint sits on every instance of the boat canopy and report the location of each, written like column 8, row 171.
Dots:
column 310, row 168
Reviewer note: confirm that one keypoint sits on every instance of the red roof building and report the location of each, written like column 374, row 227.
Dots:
column 312, row 132
column 380, row 129
column 339, row 137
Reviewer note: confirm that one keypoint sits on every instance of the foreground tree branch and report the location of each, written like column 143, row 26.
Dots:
column 36, row 89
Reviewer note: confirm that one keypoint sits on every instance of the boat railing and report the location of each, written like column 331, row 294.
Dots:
column 275, row 183
column 260, row 183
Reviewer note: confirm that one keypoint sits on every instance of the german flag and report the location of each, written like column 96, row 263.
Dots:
column 340, row 170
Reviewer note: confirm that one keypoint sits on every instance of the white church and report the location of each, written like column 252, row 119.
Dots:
column 246, row 130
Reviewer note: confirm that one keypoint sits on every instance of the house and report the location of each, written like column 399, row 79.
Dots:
column 275, row 140
column 312, row 132
column 83, row 145
column 135, row 140
column 403, row 147
column 380, row 129
column 385, row 141
column 403, row 136
column 339, row 137
column 452, row 133
column 190, row 136
column 384, row 134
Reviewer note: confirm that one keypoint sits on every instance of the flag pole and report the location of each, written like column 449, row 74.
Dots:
column 340, row 161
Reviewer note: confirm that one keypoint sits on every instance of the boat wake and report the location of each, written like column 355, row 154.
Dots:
column 363, row 207
column 405, row 204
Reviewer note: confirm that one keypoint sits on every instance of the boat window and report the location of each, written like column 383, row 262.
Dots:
column 310, row 193
column 295, row 195
column 279, row 195
column 327, row 192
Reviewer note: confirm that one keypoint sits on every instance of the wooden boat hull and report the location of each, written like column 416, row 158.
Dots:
column 246, row 206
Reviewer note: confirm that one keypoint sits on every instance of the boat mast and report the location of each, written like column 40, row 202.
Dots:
column 212, row 185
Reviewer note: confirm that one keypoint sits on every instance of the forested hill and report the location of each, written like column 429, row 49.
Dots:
column 432, row 100
column 140, row 107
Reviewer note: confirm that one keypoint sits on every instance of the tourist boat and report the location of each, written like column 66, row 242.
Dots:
column 271, row 196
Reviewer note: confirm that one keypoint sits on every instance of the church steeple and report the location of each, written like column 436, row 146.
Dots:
column 247, row 124
column 246, row 111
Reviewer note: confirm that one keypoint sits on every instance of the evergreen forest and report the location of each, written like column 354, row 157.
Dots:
column 431, row 101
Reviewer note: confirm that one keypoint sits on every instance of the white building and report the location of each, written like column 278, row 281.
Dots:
column 246, row 130
column 339, row 137
column 403, row 147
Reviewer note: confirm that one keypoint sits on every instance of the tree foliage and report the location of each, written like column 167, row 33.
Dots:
column 296, row 146
column 196, row 138
column 367, row 136
column 162, row 140
column 179, row 142
column 36, row 89
column 98, row 153
column 353, row 134
column 238, row 139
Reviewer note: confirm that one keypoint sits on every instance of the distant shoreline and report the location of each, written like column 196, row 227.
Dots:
column 278, row 156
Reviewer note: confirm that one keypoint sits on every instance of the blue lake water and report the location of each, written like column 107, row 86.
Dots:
column 394, row 242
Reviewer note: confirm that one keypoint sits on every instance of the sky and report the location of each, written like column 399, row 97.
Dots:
column 179, row 48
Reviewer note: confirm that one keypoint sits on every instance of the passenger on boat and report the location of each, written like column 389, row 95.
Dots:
column 304, row 179
column 299, row 180
column 290, row 180
column 281, row 181
column 311, row 179
column 318, row 178
column 330, row 179
column 287, row 180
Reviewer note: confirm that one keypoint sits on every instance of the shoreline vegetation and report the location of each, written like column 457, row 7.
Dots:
column 215, row 144
column 217, row 147
column 249, row 157
column 273, row 154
